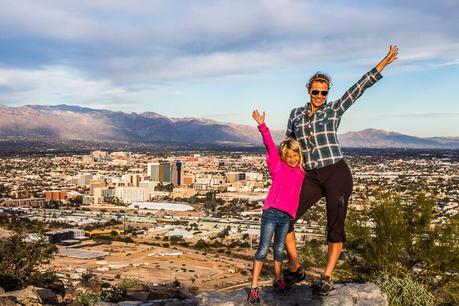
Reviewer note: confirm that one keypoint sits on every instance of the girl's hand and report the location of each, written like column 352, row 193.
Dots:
column 260, row 119
column 389, row 58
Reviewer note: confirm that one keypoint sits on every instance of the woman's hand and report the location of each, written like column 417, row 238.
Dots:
column 260, row 119
column 389, row 58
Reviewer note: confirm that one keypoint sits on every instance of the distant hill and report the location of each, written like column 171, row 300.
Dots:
column 69, row 122
column 373, row 138
column 66, row 122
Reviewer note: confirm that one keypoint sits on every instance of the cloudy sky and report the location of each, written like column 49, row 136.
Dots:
column 221, row 59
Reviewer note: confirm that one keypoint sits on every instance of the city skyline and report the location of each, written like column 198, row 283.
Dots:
column 193, row 60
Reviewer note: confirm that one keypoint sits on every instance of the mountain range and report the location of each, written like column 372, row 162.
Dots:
column 70, row 122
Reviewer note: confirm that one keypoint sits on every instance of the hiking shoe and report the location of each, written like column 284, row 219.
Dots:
column 254, row 296
column 324, row 287
column 280, row 287
column 291, row 278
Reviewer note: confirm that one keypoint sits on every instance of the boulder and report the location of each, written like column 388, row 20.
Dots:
column 171, row 302
column 32, row 294
column 130, row 303
column 100, row 303
column 9, row 300
column 351, row 294
column 27, row 295
column 138, row 295
column 47, row 296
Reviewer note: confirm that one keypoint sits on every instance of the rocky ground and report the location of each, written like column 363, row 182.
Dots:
column 343, row 295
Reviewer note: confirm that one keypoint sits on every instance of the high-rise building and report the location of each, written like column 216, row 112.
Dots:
column 102, row 193
column 149, row 185
column 253, row 176
column 132, row 180
column 188, row 179
column 164, row 172
column 232, row 177
column 177, row 173
column 153, row 171
column 84, row 180
column 99, row 155
column 56, row 195
column 131, row 194
column 96, row 183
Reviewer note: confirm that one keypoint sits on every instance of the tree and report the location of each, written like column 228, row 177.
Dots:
column 161, row 187
column 20, row 259
column 401, row 239
column 201, row 244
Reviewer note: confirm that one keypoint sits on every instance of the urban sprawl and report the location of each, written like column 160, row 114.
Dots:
column 164, row 214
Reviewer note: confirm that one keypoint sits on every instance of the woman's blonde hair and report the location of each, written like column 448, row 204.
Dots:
column 291, row 144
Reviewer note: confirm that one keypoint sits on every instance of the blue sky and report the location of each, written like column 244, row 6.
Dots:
column 221, row 59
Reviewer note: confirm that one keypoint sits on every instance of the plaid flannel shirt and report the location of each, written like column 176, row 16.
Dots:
column 317, row 134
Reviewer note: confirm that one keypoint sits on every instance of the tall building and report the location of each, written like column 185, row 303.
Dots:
column 188, row 180
column 98, row 155
column 164, row 172
column 177, row 173
column 132, row 180
column 153, row 171
column 102, row 193
column 232, row 177
column 253, row 176
column 131, row 194
column 149, row 185
column 96, row 183
column 56, row 195
column 84, row 180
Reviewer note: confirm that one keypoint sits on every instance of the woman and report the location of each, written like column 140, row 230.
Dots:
column 327, row 174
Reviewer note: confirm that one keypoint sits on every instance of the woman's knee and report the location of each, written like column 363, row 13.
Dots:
column 290, row 238
column 336, row 235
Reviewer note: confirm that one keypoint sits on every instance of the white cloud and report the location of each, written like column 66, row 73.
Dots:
column 98, row 48
column 53, row 85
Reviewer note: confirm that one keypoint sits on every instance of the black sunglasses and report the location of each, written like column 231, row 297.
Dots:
column 322, row 92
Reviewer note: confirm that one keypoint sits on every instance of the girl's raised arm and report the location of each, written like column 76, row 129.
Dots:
column 272, row 154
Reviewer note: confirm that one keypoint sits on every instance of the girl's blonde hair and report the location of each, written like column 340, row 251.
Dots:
column 291, row 144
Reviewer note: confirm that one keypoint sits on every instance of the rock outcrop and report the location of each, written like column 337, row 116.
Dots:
column 343, row 295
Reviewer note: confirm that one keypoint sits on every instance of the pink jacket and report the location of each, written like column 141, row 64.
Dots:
column 286, row 184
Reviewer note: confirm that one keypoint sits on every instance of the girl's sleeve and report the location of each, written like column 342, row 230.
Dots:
column 272, row 154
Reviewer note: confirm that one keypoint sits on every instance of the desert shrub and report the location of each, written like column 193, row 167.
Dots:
column 402, row 291
column 21, row 256
column 201, row 244
column 311, row 254
column 400, row 238
column 88, row 297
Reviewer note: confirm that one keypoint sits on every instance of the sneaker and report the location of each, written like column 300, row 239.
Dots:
column 291, row 278
column 280, row 287
column 324, row 287
column 254, row 296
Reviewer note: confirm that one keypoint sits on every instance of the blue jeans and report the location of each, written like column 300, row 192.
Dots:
column 273, row 222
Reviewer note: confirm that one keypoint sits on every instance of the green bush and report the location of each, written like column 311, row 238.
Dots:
column 20, row 259
column 312, row 255
column 88, row 298
column 401, row 291
column 201, row 244
column 399, row 238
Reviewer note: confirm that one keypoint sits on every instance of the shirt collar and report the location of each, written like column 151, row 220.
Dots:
column 309, row 106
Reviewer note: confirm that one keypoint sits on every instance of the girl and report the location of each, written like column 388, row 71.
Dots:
column 285, row 167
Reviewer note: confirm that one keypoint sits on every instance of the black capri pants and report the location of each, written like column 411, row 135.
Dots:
column 333, row 182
